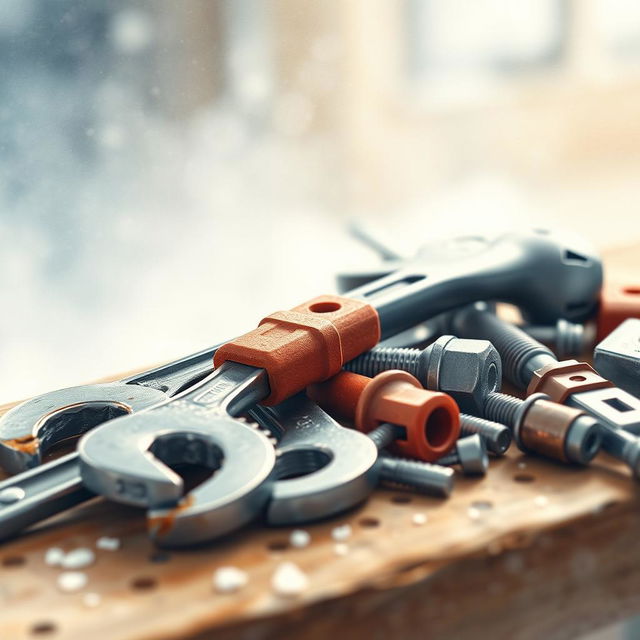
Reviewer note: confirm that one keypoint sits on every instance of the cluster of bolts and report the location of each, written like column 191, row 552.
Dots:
column 569, row 427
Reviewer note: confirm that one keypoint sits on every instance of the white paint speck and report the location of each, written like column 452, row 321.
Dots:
column 91, row 599
column 289, row 580
column 341, row 549
column 341, row 533
column 108, row 544
column 474, row 513
column 299, row 538
column 70, row 581
column 419, row 519
column 11, row 495
column 78, row 558
column 53, row 556
column 229, row 579
column 541, row 501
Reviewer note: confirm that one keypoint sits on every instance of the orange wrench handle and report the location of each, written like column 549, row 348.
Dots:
column 307, row 344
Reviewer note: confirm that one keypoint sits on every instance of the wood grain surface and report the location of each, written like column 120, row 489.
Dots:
column 534, row 549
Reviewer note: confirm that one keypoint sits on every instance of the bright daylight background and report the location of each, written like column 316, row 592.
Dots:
column 169, row 171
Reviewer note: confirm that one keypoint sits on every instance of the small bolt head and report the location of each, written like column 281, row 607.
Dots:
column 472, row 454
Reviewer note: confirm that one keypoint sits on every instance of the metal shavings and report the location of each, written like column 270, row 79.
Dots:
column 54, row 556
column 229, row 579
column 341, row 533
column 108, row 544
column 541, row 501
column 299, row 538
column 91, row 599
column 78, row 558
column 70, row 581
column 289, row 580
column 419, row 519
column 341, row 549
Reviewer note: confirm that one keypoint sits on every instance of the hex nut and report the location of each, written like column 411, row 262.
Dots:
column 468, row 371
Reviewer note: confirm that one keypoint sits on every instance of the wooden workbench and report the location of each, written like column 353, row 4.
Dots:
column 535, row 549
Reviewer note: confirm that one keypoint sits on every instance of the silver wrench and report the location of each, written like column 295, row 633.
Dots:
column 30, row 429
column 322, row 468
column 514, row 267
column 335, row 469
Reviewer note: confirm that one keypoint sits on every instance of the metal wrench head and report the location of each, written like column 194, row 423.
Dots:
column 30, row 429
column 129, row 459
column 322, row 468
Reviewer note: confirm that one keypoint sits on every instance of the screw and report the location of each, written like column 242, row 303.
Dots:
column 471, row 454
column 521, row 354
column 420, row 476
column 496, row 436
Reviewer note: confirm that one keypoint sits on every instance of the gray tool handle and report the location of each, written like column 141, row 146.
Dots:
column 177, row 375
column 546, row 276
column 39, row 493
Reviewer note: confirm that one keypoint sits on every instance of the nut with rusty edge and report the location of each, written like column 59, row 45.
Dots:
column 430, row 419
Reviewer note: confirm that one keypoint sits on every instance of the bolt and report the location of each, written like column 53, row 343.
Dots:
column 384, row 434
column 496, row 436
column 521, row 354
column 568, row 339
column 528, row 363
column 465, row 369
column 421, row 476
column 546, row 427
column 471, row 454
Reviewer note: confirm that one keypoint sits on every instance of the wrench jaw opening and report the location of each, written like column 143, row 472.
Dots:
column 127, row 461
column 322, row 468
column 30, row 430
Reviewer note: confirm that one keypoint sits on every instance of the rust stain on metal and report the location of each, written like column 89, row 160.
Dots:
column 26, row 444
column 161, row 525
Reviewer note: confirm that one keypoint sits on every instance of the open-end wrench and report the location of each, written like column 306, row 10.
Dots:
column 31, row 428
column 521, row 259
column 548, row 276
column 508, row 268
column 322, row 468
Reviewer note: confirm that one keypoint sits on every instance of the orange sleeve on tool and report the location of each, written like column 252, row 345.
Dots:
column 618, row 301
column 308, row 344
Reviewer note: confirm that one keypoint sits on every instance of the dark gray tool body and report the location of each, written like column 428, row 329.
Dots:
column 617, row 357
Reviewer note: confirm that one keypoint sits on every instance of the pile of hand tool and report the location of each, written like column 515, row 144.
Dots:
column 395, row 381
